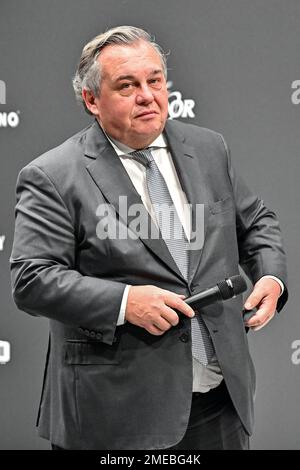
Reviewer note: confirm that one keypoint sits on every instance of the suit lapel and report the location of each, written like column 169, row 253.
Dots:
column 109, row 174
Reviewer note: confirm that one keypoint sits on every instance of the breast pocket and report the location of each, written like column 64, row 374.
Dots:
column 223, row 205
column 83, row 352
column 222, row 212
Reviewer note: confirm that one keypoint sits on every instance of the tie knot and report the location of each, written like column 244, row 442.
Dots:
column 143, row 156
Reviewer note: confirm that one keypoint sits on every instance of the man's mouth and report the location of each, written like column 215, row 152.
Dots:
column 145, row 114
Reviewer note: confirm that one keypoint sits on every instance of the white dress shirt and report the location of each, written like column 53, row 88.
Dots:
column 204, row 377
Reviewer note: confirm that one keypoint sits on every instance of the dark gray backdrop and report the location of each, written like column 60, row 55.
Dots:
column 237, row 60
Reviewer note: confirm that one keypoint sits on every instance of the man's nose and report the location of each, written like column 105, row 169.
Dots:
column 144, row 95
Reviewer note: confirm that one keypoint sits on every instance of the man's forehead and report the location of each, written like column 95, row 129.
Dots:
column 129, row 76
column 117, row 59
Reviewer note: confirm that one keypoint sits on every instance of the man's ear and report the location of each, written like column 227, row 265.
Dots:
column 90, row 102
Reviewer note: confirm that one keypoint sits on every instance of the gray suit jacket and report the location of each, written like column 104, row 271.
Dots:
column 109, row 387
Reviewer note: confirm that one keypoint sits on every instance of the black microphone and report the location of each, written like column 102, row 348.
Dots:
column 224, row 290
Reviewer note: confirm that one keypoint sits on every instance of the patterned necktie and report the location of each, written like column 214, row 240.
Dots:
column 173, row 234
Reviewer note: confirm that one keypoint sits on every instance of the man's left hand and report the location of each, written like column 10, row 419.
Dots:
column 264, row 297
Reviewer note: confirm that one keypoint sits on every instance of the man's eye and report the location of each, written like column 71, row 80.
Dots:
column 155, row 82
column 125, row 85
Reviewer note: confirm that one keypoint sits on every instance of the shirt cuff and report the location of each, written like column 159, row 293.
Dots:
column 277, row 280
column 121, row 318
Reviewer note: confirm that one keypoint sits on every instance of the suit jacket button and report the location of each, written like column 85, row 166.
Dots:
column 87, row 332
column 98, row 335
column 92, row 334
column 81, row 329
column 184, row 337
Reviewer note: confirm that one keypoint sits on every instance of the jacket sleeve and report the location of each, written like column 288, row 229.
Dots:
column 260, row 242
column 45, row 281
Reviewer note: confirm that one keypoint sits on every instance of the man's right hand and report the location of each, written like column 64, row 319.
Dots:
column 152, row 308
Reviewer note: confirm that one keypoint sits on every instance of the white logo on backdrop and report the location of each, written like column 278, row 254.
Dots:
column 4, row 352
column 295, row 96
column 295, row 357
column 179, row 107
column 2, row 92
column 10, row 118
column 2, row 240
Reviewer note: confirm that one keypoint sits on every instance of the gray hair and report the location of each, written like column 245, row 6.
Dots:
column 88, row 73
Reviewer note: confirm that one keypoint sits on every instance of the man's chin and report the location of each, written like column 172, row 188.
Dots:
column 149, row 129
column 145, row 139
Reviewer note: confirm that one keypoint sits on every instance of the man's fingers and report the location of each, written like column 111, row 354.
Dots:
column 155, row 309
column 263, row 314
column 178, row 304
column 258, row 321
column 258, row 327
column 264, row 288
column 264, row 296
column 254, row 299
column 154, row 330
column 161, row 323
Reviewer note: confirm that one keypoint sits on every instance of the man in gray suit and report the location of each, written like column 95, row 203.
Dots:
column 123, row 369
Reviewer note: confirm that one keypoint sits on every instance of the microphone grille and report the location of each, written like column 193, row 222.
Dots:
column 231, row 287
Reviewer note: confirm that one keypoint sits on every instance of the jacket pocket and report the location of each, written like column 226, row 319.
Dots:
column 83, row 352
